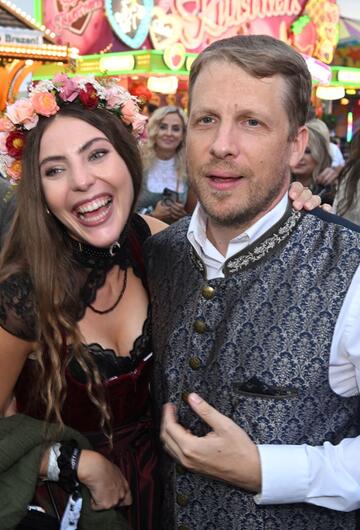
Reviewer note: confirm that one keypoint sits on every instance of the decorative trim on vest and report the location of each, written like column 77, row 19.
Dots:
column 195, row 258
column 277, row 235
column 262, row 247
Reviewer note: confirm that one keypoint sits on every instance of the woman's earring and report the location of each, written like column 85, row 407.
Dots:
column 47, row 210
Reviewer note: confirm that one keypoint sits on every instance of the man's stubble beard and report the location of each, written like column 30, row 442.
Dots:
column 259, row 201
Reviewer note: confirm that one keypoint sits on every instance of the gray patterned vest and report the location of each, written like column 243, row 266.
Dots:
column 256, row 346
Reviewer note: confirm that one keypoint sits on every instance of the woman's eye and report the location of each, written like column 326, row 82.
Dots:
column 100, row 153
column 52, row 171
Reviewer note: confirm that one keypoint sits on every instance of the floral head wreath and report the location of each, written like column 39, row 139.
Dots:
column 46, row 98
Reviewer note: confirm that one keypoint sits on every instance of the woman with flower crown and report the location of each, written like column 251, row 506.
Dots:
column 75, row 345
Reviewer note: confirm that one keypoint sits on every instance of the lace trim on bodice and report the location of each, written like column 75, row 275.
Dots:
column 112, row 365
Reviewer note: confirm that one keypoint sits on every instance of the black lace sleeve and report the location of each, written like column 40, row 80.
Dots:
column 17, row 307
column 141, row 227
column 139, row 233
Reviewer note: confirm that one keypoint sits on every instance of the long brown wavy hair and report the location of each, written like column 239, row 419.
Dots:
column 350, row 177
column 36, row 245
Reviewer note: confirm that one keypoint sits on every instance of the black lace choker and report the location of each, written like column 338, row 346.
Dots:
column 97, row 257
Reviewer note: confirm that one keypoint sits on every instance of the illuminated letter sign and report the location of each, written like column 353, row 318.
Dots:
column 130, row 19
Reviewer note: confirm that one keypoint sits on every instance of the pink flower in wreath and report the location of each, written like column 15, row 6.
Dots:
column 5, row 124
column 128, row 111
column 21, row 112
column 3, row 138
column 68, row 87
column 44, row 103
column 139, row 124
column 112, row 97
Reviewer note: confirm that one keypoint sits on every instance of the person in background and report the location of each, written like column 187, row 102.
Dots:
column 149, row 108
column 75, row 344
column 255, row 312
column 328, row 177
column 165, row 192
column 316, row 158
column 347, row 199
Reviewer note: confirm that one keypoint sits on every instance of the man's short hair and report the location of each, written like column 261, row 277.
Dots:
column 264, row 56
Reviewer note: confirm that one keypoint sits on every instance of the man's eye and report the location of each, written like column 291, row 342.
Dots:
column 252, row 122
column 206, row 119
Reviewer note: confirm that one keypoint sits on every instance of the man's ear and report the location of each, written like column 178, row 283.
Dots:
column 299, row 145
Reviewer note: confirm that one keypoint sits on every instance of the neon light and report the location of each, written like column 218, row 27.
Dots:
column 330, row 92
column 349, row 131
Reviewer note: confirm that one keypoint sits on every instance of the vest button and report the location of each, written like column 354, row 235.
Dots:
column 194, row 362
column 182, row 500
column 199, row 326
column 208, row 292
column 184, row 396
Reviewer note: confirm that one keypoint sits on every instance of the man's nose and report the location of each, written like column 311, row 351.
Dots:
column 225, row 143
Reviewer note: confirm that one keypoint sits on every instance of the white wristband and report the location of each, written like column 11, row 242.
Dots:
column 53, row 470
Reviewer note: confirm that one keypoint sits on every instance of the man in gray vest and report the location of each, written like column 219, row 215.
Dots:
column 255, row 314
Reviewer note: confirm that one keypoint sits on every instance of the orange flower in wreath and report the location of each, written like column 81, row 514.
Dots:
column 14, row 171
column 44, row 103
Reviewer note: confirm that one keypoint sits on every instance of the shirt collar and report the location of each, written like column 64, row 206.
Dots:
column 197, row 227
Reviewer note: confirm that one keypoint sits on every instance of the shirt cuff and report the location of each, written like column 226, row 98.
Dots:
column 285, row 474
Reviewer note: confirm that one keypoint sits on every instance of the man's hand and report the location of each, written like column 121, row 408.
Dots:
column 226, row 453
column 303, row 197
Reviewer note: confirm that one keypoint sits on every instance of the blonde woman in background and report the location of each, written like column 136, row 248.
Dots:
column 315, row 160
column 165, row 193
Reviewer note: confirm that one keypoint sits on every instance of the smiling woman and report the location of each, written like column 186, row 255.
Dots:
column 74, row 329
column 165, row 193
column 86, row 183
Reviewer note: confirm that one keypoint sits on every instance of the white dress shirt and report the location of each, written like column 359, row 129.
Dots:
column 327, row 475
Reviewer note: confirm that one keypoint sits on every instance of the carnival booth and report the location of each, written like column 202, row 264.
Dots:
column 344, row 108
column 150, row 44
column 25, row 44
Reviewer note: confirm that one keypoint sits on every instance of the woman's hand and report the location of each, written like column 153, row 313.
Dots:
column 303, row 198
column 161, row 211
column 177, row 211
column 107, row 485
